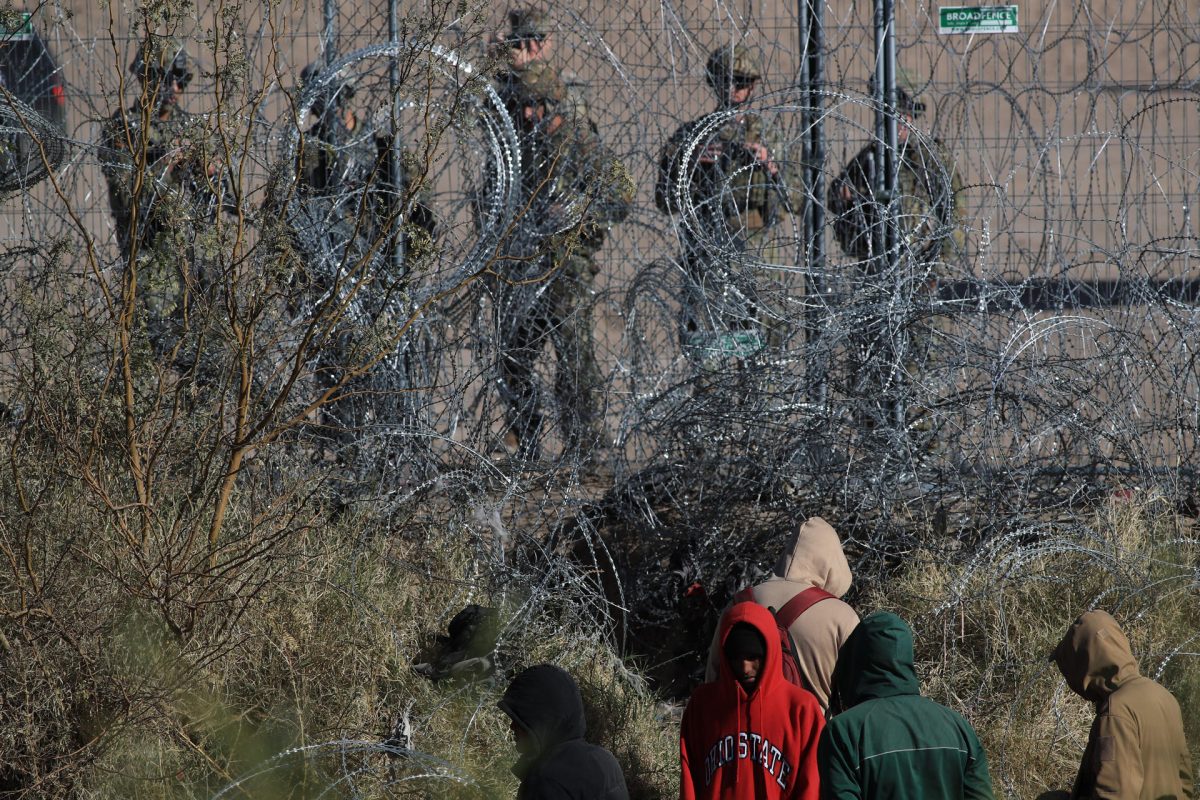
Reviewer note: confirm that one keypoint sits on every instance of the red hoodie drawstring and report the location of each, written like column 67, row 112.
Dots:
column 749, row 727
column 742, row 715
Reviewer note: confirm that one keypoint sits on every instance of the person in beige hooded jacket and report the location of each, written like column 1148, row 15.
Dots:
column 812, row 557
column 1136, row 748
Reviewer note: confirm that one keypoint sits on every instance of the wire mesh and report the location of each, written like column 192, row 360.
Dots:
column 1022, row 353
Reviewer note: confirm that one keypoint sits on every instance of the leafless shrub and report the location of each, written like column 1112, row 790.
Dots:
column 228, row 528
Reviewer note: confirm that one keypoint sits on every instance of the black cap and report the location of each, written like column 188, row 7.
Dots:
column 745, row 641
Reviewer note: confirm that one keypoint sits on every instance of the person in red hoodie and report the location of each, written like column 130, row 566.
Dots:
column 749, row 735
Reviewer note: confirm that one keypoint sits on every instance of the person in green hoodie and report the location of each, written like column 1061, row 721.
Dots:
column 886, row 740
column 1136, row 749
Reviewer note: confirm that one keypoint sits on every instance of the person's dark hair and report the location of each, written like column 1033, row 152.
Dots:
column 745, row 641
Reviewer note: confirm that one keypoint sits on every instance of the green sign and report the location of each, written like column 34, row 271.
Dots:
column 726, row 344
column 16, row 27
column 977, row 19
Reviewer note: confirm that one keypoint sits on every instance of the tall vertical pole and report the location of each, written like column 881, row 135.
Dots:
column 816, row 134
column 398, row 210
column 329, row 31
column 892, row 161
column 396, row 186
column 810, row 14
column 885, row 239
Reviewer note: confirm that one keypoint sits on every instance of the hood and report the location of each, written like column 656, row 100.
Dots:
column 764, row 622
column 545, row 701
column 876, row 661
column 1095, row 657
column 731, row 709
column 814, row 555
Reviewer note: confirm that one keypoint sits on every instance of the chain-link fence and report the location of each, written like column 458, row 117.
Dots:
column 988, row 345
column 927, row 277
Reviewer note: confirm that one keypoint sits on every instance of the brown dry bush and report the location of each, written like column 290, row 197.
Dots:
column 188, row 605
column 103, row 699
column 986, row 624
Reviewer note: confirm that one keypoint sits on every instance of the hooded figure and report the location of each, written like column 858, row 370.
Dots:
column 759, row 744
column 556, row 763
column 889, row 742
column 1136, row 748
column 812, row 557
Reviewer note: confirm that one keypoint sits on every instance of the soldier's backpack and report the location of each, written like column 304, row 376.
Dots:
column 784, row 618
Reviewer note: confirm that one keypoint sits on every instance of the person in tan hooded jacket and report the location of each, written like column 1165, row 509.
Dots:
column 1136, row 748
column 812, row 557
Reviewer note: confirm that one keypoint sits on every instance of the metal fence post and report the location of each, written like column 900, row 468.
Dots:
column 397, row 254
column 811, row 20
column 885, row 255
column 329, row 30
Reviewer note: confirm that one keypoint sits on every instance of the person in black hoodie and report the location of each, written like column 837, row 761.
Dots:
column 556, row 762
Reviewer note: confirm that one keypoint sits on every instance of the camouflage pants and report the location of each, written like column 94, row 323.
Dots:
column 372, row 377
column 721, row 306
column 173, row 314
column 161, row 289
column 559, row 311
column 895, row 346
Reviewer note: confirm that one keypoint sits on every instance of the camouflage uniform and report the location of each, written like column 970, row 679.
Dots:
column 735, row 197
column 336, row 167
column 929, row 188
column 573, row 189
column 532, row 24
column 930, row 236
column 340, row 171
column 156, row 160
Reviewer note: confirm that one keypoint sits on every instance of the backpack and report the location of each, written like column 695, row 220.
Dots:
column 784, row 618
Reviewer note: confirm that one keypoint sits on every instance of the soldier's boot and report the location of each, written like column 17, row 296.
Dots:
column 529, row 443
column 583, row 435
column 526, row 428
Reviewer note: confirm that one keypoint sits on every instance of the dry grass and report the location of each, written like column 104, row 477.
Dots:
column 985, row 626
column 287, row 682
column 301, row 686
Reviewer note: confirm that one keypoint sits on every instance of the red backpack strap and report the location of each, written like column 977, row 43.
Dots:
column 745, row 595
column 802, row 602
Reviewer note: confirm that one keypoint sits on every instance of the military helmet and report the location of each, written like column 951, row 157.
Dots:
column 336, row 94
column 160, row 57
column 732, row 63
column 908, row 93
column 536, row 83
column 527, row 23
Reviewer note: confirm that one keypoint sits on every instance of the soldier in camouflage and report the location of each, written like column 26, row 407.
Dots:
column 883, row 364
column 529, row 41
column 722, row 168
column 343, row 169
column 339, row 163
column 166, row 183
column 573, row 190
column 928, row 185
